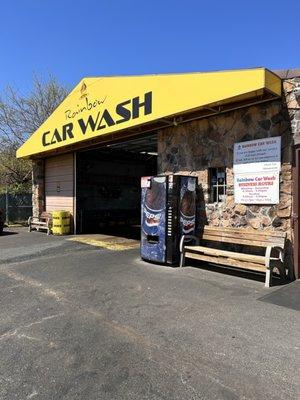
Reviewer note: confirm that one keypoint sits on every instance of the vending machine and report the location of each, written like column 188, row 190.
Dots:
column 168, row 211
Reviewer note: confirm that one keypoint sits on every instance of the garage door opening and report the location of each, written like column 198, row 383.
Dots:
column 108, row 193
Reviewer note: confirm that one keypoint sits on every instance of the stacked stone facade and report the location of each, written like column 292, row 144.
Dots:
column 38, row 187
column 194, row 147
column 293, row 107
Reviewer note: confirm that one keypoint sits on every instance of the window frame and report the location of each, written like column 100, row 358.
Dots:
column 214, row 187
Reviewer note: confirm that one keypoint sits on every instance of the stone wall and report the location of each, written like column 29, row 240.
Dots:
column 194, row 147
column 293, row 107
column 38, row 187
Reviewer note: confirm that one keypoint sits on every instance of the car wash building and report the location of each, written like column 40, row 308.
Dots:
column 237, row 131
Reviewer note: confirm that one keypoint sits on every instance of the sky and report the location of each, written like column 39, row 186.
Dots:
column 73, row 39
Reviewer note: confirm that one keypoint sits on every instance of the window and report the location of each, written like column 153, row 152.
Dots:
column 217, row 184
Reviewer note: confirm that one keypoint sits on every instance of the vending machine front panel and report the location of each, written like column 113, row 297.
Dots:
column 187, row 206
column 173, row 191
column 153, row 218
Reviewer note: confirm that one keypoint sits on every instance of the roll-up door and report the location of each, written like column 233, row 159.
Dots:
column 59, row 183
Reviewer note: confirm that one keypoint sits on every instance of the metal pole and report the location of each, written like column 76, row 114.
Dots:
column 6, row 204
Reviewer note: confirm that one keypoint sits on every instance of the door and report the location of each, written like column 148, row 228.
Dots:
column 59, row 183
column 296, row 211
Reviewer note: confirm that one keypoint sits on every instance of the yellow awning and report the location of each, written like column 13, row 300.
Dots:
column 109, row 105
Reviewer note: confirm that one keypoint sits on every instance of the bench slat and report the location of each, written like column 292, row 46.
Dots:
column 229, row 254
column 245, row 235
column 246, row 231
column 248, row 242
column 226, row 261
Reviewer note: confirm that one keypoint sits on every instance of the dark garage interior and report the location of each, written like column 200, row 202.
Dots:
column 108, row 189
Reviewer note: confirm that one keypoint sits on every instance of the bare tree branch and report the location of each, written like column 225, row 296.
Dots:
column 20, row 116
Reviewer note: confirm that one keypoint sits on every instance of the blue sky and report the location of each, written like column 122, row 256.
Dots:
column 73, row 39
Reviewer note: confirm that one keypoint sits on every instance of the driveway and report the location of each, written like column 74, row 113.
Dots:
column 85, row 322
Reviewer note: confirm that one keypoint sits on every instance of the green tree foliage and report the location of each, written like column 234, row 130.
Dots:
column 20, row 116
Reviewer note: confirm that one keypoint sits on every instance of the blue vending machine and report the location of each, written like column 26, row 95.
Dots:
column 168, row 211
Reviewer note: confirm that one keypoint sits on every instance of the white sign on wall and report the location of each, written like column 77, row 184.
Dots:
column 256, row 167
column 262, row 155
column 256, row 188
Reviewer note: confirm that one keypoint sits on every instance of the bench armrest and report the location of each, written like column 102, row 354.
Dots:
column 281, row 252
column 269, row 267
column 187, row 238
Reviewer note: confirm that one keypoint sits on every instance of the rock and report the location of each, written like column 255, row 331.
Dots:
column 277, row 118
column 272, row 212
column 285, row 226
column 210, row 207
column 286, row 212
column 241, row 222
column 265, row 211
column 286, row 173
column 276, row 222
column 250, row 214
column 240, row 209
column 293, row 103
column 225, row 215
column 247, row 119
column 266, row 221
column 229, row 202
column 265, row 124
column 214, row 215
column 225, row 223
column 254, row 208
column 254, row 223
column 286, row 187
column 215, row 222
column 288, row 86
column 285, row 203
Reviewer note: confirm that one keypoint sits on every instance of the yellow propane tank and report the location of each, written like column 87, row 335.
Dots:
column 60, row 222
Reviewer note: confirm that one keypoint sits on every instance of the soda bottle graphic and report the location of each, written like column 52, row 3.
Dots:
column 154, row 206
column 188, row 207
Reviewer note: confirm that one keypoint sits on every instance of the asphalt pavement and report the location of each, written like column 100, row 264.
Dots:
column 85, row 322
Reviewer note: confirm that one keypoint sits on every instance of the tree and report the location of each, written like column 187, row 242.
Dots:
column 20, row 116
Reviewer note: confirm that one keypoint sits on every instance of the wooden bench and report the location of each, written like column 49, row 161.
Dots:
column 44, row 222
column 273, row 242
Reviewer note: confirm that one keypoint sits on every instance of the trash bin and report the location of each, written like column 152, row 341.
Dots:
column 60, row 222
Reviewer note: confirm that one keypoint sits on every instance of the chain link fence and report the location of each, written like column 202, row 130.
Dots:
column 17, row 208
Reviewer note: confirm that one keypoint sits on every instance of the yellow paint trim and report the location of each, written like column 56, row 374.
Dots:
column 272, row 83
column 101, row 106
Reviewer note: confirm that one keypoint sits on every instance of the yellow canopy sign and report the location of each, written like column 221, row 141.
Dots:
column 100, row 106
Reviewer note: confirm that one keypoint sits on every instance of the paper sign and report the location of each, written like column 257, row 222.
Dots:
column 256, row 188
column 262, row 155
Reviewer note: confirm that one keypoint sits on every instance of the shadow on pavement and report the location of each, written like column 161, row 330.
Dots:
column 238, row 272
column 287, row 296
column 8, row 233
